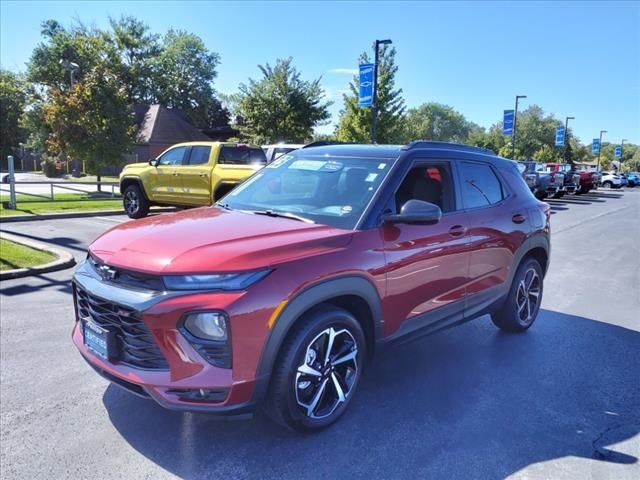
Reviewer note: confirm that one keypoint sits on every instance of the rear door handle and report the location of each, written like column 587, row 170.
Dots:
column 204, row 174
column 518, row 218
column 457, row 231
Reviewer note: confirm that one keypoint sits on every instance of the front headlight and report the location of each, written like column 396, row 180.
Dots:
column 223, row 281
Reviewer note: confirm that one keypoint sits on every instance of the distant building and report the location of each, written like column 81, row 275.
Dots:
column 160, row 127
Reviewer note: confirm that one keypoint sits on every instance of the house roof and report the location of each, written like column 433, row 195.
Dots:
column 164, row 126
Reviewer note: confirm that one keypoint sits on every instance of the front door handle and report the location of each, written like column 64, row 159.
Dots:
column 457, row 231
column 204, row 175
column 518, row 218
column 175, row 174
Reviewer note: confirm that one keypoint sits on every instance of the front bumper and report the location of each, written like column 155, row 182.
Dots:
column 235, row 389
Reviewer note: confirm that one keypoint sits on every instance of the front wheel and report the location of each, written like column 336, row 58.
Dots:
column 521, row 307
column 135, row 203
column 318, row 370
column 607, row 185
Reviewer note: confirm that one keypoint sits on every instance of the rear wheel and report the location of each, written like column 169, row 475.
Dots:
column 521, row 307
column 318, row 370
column 607, row 184
column 135, row 202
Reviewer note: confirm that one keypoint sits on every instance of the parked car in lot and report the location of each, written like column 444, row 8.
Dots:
column 188, row 174
column 610, row 180
column 542, row 182
column 272, row 152
column 623, row 179
column 588, row 181
column 571, row 177
column 279, row 294
column 633, row 178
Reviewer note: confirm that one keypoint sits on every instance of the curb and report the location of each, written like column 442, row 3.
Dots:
column 64, row 260
column 62, row 216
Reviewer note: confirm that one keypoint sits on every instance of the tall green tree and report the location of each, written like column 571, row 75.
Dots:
column 435, row 121
column 281, row 106
column 136, row 48
column 534, row 130
column 12, row 104
column 183, row 75
column 93, row 122
column 355, row 122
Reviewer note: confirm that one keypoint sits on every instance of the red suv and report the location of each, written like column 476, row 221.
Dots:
column 280, row 293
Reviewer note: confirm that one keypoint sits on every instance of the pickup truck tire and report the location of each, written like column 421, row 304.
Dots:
column 522, row 304
column 135, row 202
column 304, row 394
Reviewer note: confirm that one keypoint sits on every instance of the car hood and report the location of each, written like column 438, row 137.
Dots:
column 211, row 239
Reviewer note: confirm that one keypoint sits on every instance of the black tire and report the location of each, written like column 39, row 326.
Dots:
column 516, row 314
column 558, row 195
column 135, row 202
column 607, row 185
column 290, row 388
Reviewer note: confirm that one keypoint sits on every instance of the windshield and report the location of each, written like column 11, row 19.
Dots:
column 332, row 191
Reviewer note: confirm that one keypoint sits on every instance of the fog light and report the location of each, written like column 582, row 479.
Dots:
column 207, row 325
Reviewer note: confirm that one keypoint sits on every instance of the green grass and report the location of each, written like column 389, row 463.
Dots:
column 64, row 203
column 13, row 255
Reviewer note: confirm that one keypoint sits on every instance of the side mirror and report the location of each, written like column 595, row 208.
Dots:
column 415, row 212
column 153, row 162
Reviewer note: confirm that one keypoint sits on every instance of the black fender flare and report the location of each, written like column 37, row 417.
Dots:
column 309, row 297
column 136, row 180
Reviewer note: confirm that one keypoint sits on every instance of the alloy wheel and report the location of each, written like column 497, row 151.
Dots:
column 528, row 296
column 328, row 373
column 131, row 202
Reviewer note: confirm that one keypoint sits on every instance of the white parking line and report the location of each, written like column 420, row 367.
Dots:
column 108, row 219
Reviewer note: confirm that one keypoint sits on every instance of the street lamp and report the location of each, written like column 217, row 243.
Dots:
column 566, row 135
column 374, row 107
column 513, row 135
column 71, row 66
column 600, row 147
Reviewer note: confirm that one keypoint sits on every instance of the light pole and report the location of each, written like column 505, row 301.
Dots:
column 600, row 148
column 515, row 119
column 374, row 107
column 566, row 135
column 71, row 66
column 622, row 148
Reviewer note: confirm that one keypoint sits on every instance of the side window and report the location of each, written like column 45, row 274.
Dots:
column 429, row 183
column 199, row 155
column 173, row 156
column 257, row 156
column 242, row 156
column 480, row 186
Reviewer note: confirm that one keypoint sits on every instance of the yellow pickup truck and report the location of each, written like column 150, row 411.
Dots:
column 188, row 174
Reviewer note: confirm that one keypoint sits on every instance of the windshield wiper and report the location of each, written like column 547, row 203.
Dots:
column 224, row 205
column 273, row 213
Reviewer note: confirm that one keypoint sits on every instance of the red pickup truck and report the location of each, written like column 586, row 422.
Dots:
column 571, row 181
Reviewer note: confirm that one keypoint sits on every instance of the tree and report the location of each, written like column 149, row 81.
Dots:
column 93, row 122
column 281, row 106
column 84, row 46
column 183, row 75
column 136, row 49
column 435, row 121
column 12, row 103
column 547, row 154
column 355, row 122
column 534, row 130
column 217, row 114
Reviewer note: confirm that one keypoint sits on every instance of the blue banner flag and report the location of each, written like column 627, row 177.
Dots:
column 366, row 84
column 595, row 145
column 560, row 137
column 618, row 151
column 507, row 122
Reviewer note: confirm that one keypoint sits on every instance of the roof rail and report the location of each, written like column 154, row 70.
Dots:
column 447, row 145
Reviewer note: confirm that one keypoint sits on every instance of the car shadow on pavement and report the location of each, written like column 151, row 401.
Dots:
column 64, row 242
column 470, row 402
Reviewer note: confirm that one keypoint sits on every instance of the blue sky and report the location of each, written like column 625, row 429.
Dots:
column 571, row 58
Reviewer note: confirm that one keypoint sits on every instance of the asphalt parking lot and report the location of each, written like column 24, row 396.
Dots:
column 561, row 401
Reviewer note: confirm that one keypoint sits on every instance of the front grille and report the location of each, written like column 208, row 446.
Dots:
column 136, row 346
